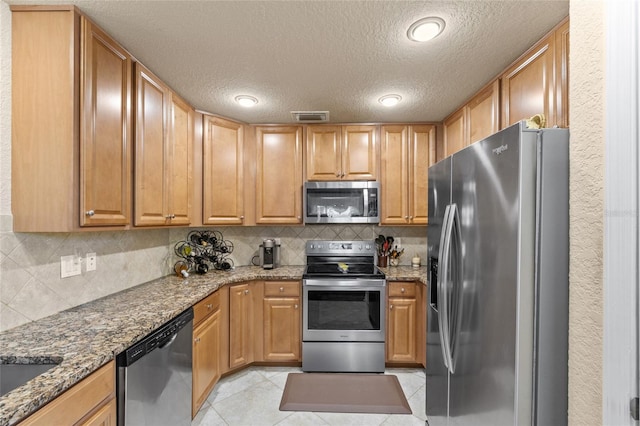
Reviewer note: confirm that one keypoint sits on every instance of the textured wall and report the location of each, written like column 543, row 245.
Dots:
column 587, row 113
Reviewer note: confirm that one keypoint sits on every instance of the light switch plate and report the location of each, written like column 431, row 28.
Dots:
column 91, row 261
column 70, row 266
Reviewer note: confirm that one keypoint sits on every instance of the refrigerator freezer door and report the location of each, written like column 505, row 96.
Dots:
column 486, row 182
column 437, row 373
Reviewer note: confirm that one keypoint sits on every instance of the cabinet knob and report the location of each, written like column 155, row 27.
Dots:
column 242, row 217
column 406, row 217
column 209, row 306
column 337, row 174
column 170, row 216
column 196, row 340
column 411, row 217
column 402, row 290
column 246, row 292
column 390, row 307
column 295, row 306
column 281, row 289
column 90, row 213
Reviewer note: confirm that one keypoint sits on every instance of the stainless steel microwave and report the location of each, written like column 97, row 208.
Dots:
column 341, row 202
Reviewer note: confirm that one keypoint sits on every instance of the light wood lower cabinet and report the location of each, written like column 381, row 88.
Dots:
column 241, row 324
column 90, row 402
column 207, row 348
column 282, row 321
column 404, row 330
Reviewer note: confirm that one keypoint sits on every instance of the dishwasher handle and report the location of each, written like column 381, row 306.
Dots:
column 168, row 342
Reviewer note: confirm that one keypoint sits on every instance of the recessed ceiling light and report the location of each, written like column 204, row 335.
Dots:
column 246, row 100
column 390, row 100
column 426, row 29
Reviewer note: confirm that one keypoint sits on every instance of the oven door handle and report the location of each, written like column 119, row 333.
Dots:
column 343, row 284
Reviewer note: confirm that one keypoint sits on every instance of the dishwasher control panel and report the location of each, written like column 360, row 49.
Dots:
column 158, row 338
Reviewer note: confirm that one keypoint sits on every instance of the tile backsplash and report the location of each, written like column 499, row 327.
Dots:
column 31, row 287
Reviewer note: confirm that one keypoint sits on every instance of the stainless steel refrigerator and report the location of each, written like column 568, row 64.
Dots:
column 497, row 311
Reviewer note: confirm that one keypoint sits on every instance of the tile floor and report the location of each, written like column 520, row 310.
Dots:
column 252, row 397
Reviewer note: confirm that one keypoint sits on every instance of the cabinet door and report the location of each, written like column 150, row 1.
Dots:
column 422, row 140
column 240, row 325
column 562, row 74
column 483, row 112
column 151, row 149
column 279, row 175
column 105, row 130
column 528, row 86
column 206, row 357
column 455, row 137
column 180, row 169
column 282, row 329
column 223, row 195
column 359, row 153
column 323, row 152
column 401, row 336
column 394, row 176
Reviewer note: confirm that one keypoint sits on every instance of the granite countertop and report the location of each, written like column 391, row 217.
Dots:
column 84, row 338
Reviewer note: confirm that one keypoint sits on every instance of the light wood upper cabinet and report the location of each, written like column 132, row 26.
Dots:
column 104, row 108
column 279, row 175
column 562, row 74
column 483, row 113
column 537, row 82
column 223, row 195
column 406, row 152
column 455, row 137
column 474, row 121
column 71, row 163
column 180, row 153
column 164, row 127
column 341, row 153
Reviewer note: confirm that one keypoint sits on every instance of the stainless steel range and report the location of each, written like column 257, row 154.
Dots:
column 343, row 308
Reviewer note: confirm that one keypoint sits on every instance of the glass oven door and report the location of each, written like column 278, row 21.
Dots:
column 344, row 310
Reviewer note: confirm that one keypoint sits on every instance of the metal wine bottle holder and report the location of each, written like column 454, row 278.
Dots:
column 201, row 251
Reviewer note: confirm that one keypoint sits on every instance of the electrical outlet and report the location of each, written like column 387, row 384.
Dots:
column 70, row 266
column 91, row 261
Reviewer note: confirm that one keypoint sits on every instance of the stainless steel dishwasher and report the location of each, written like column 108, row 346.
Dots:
column 155, row 376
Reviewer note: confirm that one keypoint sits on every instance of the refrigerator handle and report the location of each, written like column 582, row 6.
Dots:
column 455, row 310
column 443, row 284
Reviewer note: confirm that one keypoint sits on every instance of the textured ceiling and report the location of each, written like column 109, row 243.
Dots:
column 339, row 56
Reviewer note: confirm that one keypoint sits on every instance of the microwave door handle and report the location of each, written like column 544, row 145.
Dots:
column 365, row 207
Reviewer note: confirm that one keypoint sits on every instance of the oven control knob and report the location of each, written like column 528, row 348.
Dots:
column 311, row 246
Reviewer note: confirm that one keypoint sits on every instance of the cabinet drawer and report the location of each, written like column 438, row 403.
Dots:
column 206, row 307
column 402, row 289
column 281, row 288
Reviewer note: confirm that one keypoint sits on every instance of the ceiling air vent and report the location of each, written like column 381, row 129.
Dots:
column 310, row 116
